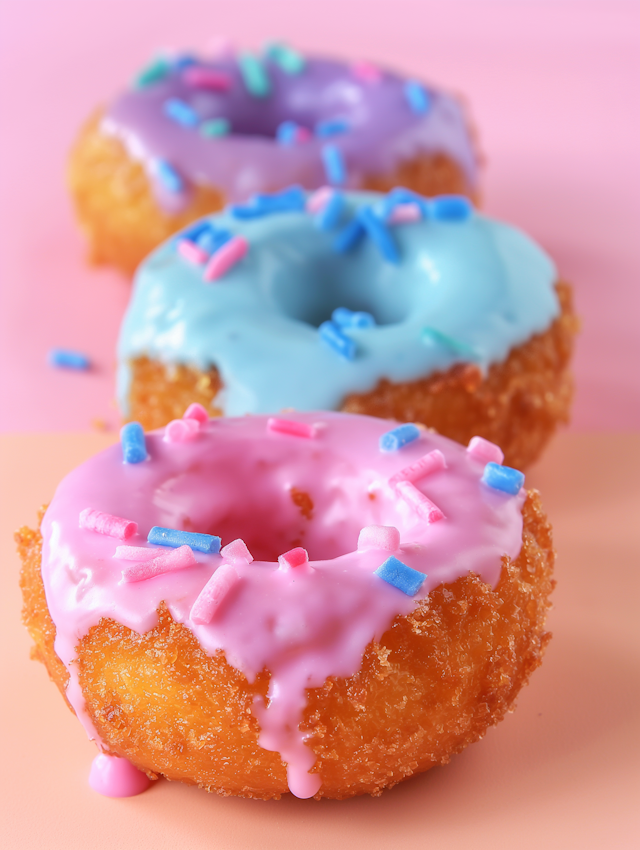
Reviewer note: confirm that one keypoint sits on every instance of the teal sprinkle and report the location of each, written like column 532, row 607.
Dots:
column 254, row 75
column 215, row 127
column 286, row 57
column 153, row 73
column 432, row 335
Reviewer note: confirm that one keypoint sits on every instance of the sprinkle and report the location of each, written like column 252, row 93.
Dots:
column 399, row 437
column 174, row 537
column 380, row 234
column 112, row 526
column 404, row 213
column 422, row 505
column 137, row 553
column 214, row 128
column 484, row 450
column 366, row 71
column 167, row 175
column 226, row 257
column 450, row 208
column 153, row 73
column 63, row 358
column 213, row 593
column 254, row 75
column 431, row 462
column 417, row 97
column 286, row 133
column 399, row 197
column 185, row 60
column 503, row 478
column 134, row 446
column 237, row 552
column 331, row 127
column 195, row 231
column 341, row 344
column 318, row 199
column 330, row 215
column 192, row 252
column 432, row 336
column 198, row 412
column 334, row 166
column 293, row 558
column 178, row 559
column 348, row 237
column 181, row 430
column 213, row 239
column 206, row 78
column 345, row 318
column 379, row 537
column 293, row 199
column 180, row 112
column 286, row 57
column 399, row 575
column 288, row 426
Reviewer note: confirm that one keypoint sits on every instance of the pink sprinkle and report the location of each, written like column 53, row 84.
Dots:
column 236, row 552
column 176, row 559
column 303, row 134
column 379, row 537
column 213, row 593
column 367, row 71
column 422, row 505
column 206, row 78
column 319, row 199
column 181, row 430
column 404, row 213
column 484, row 450
column 196, row 411
column 293, row 558
column 113, row 526
column 431, row 462
column 191, row 252
column 137, row 553
column 226, row 257
column 288, row 426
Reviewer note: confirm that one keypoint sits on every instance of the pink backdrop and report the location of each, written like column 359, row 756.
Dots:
column 553, row 87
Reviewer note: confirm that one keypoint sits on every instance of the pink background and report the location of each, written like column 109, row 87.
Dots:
column 553, row 88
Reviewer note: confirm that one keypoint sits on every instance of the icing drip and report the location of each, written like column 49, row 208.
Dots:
column 116, row 777
column 303, row 621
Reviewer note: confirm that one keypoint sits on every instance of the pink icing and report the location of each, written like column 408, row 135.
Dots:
column 116, row 777
column 238, row 480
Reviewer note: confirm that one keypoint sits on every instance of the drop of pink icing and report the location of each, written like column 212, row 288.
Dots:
column 112, row 776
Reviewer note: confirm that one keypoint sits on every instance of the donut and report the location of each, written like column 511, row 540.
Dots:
column 324, row 604
column 192, row 134
column 381, row 304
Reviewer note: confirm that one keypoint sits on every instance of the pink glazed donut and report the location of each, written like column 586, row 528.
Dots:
column 324, row 604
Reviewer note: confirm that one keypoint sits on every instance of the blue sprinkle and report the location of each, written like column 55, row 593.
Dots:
column 417, row 97
column 180, row 112
column 345, row 318
column 286, row 133
column 208, row 543
column 333, row 336
column 332, row 127
column 450, row 208
column 288, row 59
column 380, row 234
column 195, row 231
column 213, row 239
column 134, row 446
column 293, row 199
column 185, row 61
column 399, row 575
column 503, row 478
column 153, row 73
column 66, row 359
column 254, row 75
column 330, row 215
column 399, row 437
column 168, row 176
column 348, row 237
column 431, row 335
column 400, row 195
column 334, row 166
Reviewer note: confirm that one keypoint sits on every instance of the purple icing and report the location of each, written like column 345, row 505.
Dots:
column 383, row 130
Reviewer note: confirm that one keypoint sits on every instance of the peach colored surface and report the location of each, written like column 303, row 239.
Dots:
column 554, row 89
column 562, row 772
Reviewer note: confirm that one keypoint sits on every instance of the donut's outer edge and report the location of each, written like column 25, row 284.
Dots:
column 438, row 679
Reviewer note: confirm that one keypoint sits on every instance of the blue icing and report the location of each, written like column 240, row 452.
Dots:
column 478, row 282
